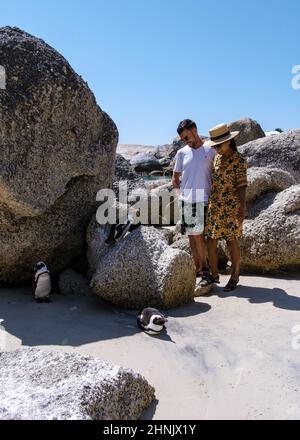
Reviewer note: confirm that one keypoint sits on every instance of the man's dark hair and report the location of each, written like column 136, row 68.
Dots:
column 187, row 124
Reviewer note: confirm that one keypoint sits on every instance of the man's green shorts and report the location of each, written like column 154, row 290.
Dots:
column 193, row 217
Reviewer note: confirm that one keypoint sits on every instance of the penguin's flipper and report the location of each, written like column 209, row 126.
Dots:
column 139, row 323
column 33, row 287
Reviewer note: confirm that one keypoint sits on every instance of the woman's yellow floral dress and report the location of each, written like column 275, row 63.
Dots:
column 223, row 208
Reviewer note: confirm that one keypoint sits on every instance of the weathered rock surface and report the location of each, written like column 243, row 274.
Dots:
column 282, row 152
column 124, row 170
column 39, row 385
column 73, row 283
column 96, row 246
column 168, row 233
column 125, row 177
column 271, row 238
column 165, row 162
column 145, row 163
column 263, row 180
column 57, row 149
column 128, row 151
column 249, row 130
column 141, row 270
column 183, row 244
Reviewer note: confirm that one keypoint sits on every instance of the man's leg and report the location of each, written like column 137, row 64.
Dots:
column 197, row 243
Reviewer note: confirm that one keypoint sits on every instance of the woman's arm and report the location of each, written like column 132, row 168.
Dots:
column 242, row 210
column 242, row 188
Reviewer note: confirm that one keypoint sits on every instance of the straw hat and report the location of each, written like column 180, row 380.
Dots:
column 219, row 134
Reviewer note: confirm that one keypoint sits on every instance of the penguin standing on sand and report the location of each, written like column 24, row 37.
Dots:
column 42, row 283
column 151, row 320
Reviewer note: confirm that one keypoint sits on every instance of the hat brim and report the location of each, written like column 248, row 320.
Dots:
column 232, row 135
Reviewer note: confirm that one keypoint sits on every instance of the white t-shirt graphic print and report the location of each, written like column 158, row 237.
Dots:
column 196, row 166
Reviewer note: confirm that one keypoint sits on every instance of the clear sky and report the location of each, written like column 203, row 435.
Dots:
column 152, row 63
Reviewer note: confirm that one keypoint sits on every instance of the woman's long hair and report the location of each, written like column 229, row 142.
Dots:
column 233, row 145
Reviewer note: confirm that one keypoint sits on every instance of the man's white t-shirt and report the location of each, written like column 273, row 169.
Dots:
column 196, row 166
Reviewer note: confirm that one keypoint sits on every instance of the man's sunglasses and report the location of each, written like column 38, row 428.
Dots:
column 185, row 138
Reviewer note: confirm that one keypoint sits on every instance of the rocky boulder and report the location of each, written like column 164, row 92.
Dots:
column 141, row 270
column 125, row 176
column 263, row 180
column 271, row 239
column 68, row 386
column 73, row 283
column 249, row 130
column 124, row 170
column 281, row 152
column 176, row 146
column 145, row 163
column 183, row 244
column 57, row 149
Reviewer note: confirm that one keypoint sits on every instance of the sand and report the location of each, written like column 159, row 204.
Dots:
column 227, row 356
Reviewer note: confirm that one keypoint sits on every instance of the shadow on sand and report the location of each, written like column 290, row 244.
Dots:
column 259, row 295
column 73, row 320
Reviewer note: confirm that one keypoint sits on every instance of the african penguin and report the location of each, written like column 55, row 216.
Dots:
column 118, row 231
column 42, row 283
column 151, row 320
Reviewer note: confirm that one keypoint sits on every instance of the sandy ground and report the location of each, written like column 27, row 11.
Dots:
column 225, row 356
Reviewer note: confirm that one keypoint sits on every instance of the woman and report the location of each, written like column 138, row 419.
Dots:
column 227, row 204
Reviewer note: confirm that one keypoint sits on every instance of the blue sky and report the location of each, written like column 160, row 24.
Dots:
column 152, row 63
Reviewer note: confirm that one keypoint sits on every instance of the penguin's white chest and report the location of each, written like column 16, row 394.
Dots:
column 43, row 288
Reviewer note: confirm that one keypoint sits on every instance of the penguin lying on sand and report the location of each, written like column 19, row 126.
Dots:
column 42, row 283
column 151, row 320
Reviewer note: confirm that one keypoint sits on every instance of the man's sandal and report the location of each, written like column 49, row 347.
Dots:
column 231, row 285
column 207, row 279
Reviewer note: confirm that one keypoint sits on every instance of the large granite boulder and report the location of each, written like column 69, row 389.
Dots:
column 124, row 170
column 141, row 270
column 73, row 283
column 262, row 180
column 271, row 239
column 281, row 152
column 130, row 150
column 271, row 233
column 39, row 385
column 183, row 244
column 145, row 163
column 176, row 146
column 125, row 177
column 249, row 130
column 57, row 149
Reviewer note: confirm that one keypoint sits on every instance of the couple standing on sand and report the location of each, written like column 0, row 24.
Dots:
column 211, row 179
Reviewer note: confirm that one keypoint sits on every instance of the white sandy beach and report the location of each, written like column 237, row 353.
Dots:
column 227, row 356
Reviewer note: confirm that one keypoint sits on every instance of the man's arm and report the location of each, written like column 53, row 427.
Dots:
column 176, row 183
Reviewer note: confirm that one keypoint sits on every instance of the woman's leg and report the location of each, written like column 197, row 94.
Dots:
column 212, row 246
column 235, row 254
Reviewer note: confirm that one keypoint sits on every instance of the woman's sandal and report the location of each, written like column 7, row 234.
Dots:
column 231, row 285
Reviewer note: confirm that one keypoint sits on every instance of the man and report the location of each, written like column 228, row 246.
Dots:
column 192, row 181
